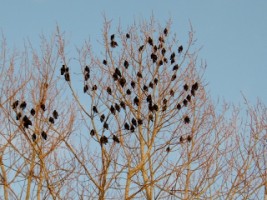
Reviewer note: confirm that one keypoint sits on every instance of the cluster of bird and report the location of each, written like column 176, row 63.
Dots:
column 157, row 56
column 65, row 71
column 26, row 122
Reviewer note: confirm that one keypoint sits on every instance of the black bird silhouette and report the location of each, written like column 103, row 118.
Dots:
column 112, row 110
column 115, row 139
column 193, row 92
column 141, row 48
column 122, row 104
column 188, row 97
column 23, row 105
column 122, row 81
column 132, row 128
column 156, row 81
column 33, row 137
column 185, row 102
column 186, row 120
column 139, row 74
column 133, row 84
column 85, row 88
column 149, row 98
column 150, row 117
column 86, row 69
column 26, row 122
column 109, row 91
column 171, row 92
column 172, row 61
column 67, row 69
column 92, row 132
column 181, row 139
column 103, row 140
column 94, row 87
column 104, row 62
column 150, row 41
column 112, row 37
column 86, row 76
column 173, row 77
column 179, row 106
column 15, row 104
column 172, row 56
column 145, row 88
column 165, row 101
column 168, row 149
column 136, row 101
column 150, row 107
column 165, row 60
column 105, row 125
column 180, row 49
column 164, row 108
column 134, row 122
column 155, row 107
column 185, row 87
column 44, row 135
column 55, row 114
column 62, row 70
column 154, row 57
column 67, row 76
column 127, row 35
column 163, row 51
column 51, row 120
column 155, row 48
column 32, row 112
column 195, row 86
column 165, row 31
column 126, row 126
column 128, row 92
column 126, row 64
column 160, row 63
column 118, row 72
column 115, row 76
column 43, row 106
column 18, row 116
column 161, row 39
column 95, row 109
column 189, row 138
column 113, row 44
column 102, row 117
column 117, row 107
column 175, row 67
column 139, row 121
column 151, row 85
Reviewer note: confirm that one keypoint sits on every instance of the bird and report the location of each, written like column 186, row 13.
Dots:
column 122, row 104
column 160, row 63
column 150, row 41
column 126, row 64
column 128, row 92
column 102, row 117
column 34, row 137
column 185, row 87
column 145, row 88
column 161, row 39
column 118, row 72
column 112, row 110
column 44, row 135
column 179, row 106
column 164, row 108
column 86, row 76
column 104, row 62
column 95, row 109
column 103, row 140
column 62, row 70
column 139, row 121
column 113, row 44
column 117, row 107
column 185, row 102
column 136, row 101
column 92, row 132
column 139, row 74
column 122, row 81
column 94, row 87
column 23, row 105
column 126, row 126
column 150, row 117
column 15, row 104
column 43, row 106
column 160, row 46
column 168, row 149
column 115, row 139
column 127, row 35
column 115, row 77
column 85, row 88
column 67, row 77
column 112, row 37
column 156, row 81
column 189, row 138
column 154, row 57
column 109, row 91
column 163, row 51
column 151, row 85
column 51, row 120
column 165, row 101
column 165, row 60
column 172, row 61
column 133, row 84
column 86, row 69
column 193, row 92
column 132, row 128
column 134, row 122
column 173, row 77
column 55, row 114
column 195, row 86
column 188, row 97
column 186, row 120
column 181, row 139
column 26, row 122
column 175, row 67
column 165, row 31
column 18, row 116
column 105, row 125
column 32, row 112
column 155, row 48
column 172, row 56
column 141, row 48
column 155, row 107
column 180, row 49
column 171, row 92
column 149, row 98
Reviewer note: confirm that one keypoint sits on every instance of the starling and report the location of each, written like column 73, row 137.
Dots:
column 112, row 110
column 104, row 62
column 193, row 92
column 185, row 102
column 160, row 46
column 115, row 139
column 122, row 104
column 173, row 77
column 155, row 107
column 112, row 37
column 150, row 107
column 26, row 122
column 180, row 49
column 168, row 149
column 128, row 92
column 186, row 120
column 150, row 117
column 181, row 139
column 122, row 81
column 117, row 107
column 126, row 64
column 165, row 101
column 136, row 101
column 161, row 39
column 139, row 74
column 62, row 70
column 103, row 140
column 156, row 81
column 127, row 35
column 150, row 41
column 102, row 117
column 113, row 44
column 51, row 120
column 154, row 57
column 44, row 135
column 165, row 60
column 149, row 98
column 172, row 61
column 86, row 69
column 134, row 122
column 43, row 106
column 172, row 56
column 133, row 84
column 105, row 125
column 139, row 121
column 95, row 109
column 33, row 137
column 155, row 48
column 160, row 63
column 92, row 132
column 165, row 31
column 15, row 104
column 115, row 77
column 145, row 88
column 86, row 76
column 67, row 77
column 179, row 106
column 23, row 105
column 94, row 88
column 85, row 88
column 109, row 91
column 132, row 128
column 18, row 116
column 118, row 72
column 175, row 67
column 126, row 126
column 171, row 92
column 185, row 87
column 189, row 138
column 67, row 69
column 188, row 97
column 163, row 51
column 164, row 108
column 32, row 112
column 55, row 114
column 141, row 48
column 151, row 85
column 195, row 86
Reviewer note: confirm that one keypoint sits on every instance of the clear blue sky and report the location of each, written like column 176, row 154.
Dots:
column 233, row 33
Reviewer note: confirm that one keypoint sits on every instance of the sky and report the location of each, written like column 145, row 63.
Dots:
column 232, row 33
